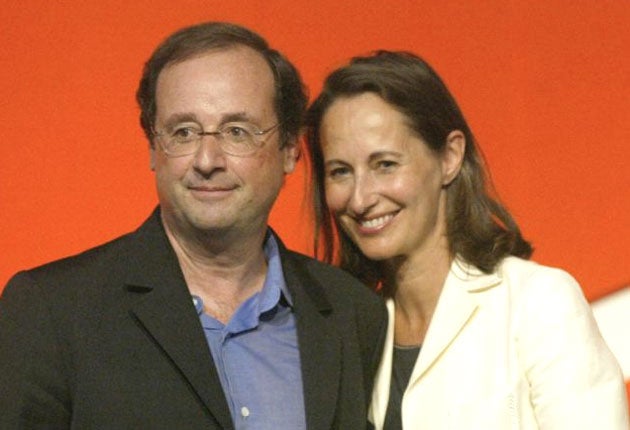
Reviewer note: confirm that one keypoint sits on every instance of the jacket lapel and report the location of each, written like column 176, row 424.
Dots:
column 319, row 343
column 455, row 308
column 382, row 381
column 167, row 314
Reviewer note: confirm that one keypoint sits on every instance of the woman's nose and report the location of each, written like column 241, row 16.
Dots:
column 364, row 194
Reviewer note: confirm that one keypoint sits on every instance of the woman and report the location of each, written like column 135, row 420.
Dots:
column 479, row 337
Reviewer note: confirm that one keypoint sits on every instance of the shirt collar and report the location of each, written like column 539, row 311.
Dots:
column 274, row 286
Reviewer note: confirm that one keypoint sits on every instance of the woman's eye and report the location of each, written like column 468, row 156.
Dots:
column 338, row 172
column 386, row 164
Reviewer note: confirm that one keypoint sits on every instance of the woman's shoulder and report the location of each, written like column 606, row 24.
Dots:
column 541, row 289
column 528, row 272
column 514, row 271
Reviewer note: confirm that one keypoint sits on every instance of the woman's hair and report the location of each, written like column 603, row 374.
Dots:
column 479, row 228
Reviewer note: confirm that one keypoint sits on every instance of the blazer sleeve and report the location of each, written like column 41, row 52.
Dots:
column 575, row 381
column 33, row 387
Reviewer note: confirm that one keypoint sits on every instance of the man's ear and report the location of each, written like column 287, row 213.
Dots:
column 453, row 156
column 292, row 151
column 152, row 156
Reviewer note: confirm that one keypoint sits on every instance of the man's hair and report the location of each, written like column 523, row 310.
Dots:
column 290, row 94
column 479, row 227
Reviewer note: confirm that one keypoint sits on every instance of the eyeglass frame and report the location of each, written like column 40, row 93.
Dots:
column 218, row 133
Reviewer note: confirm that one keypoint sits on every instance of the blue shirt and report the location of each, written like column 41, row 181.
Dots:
column 257, row 357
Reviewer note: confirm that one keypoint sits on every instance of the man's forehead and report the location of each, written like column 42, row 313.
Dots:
column 229, row 82
column 239, row 66
column 235, row 49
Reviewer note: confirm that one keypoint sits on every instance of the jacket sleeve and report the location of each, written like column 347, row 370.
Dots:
column 33, row 387
column 575, row 381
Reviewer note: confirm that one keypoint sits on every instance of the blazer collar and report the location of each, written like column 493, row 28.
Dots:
column 468, row 277
column 165, row 310
column 168, row 315
column 456, row 306
column 319, row 341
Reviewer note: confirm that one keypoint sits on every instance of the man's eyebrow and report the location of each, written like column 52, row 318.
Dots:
column 236, row 117
column 178, row 118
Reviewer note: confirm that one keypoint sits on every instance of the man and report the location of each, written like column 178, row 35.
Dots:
column 200, row 319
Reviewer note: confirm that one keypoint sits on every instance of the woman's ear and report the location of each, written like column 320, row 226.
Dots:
column 453, row 156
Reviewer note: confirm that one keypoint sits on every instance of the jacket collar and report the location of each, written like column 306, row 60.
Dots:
column 319, row 340
column 468, row 277
column 456, row 307
column 167, row 313
column 165, row 310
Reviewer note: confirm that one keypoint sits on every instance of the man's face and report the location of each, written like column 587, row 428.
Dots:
column 209, row 190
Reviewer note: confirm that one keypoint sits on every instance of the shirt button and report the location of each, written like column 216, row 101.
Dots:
column 244, row 412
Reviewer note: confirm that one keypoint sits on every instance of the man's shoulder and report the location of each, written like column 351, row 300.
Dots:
column 334, row 281
column 90, row 259
column 67, row 287
column 345, row 295
column 100, row 263
column 103, row 256
column 318, row 268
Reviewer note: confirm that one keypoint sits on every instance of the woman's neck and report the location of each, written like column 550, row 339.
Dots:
column 415, row 284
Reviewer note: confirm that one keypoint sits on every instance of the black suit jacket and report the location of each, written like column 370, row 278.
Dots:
column 110, row 339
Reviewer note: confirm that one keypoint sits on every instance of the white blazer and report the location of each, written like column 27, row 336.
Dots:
column 515, row 349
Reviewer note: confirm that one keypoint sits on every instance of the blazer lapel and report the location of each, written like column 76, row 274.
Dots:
column 455, row 308
column 169, row 317
column 319, row 343
column 382, row 381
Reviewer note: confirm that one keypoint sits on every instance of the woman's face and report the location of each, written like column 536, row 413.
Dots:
column 383, row 183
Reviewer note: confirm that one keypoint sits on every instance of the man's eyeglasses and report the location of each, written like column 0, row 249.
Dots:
column 241, row 139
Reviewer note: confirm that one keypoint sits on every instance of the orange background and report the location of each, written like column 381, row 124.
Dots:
column 544, row 85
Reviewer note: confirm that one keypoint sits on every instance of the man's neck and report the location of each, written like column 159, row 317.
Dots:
column 222, row 268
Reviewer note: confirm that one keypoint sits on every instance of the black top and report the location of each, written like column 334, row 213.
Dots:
column 404, row 359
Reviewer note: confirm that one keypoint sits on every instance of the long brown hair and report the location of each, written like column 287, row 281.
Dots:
column 479, row 228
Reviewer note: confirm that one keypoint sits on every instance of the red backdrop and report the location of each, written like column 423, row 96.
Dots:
column 545, row 86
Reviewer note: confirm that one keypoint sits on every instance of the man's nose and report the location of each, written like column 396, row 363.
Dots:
column 209, row 155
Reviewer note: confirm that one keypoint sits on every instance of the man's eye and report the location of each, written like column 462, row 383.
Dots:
column 236, row 132
column 185, row 133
